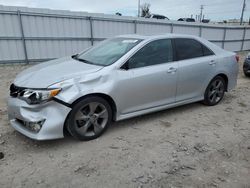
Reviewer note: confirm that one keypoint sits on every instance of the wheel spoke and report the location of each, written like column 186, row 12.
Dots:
column 85, row 127
column 219, row 85
column 92, row 107
column 80, row 116
column 213, row 97
column 211, row 93
column 97, row 127
column 102, row 114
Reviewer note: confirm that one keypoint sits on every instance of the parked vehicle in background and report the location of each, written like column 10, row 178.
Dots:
column 186, row 19
column 205, row 21
column 118, row 14
column 157, row 16
column 246, row 66
column 119, row 78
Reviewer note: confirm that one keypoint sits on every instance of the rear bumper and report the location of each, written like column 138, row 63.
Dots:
column 51, row 113
column 233, row 76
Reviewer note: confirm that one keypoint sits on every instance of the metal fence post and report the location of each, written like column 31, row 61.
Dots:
column 243, row 39
column 200, row 31
column 91, row 31
column 172, row 27
column 23, row 37
column 135, row 26
column 224, row 38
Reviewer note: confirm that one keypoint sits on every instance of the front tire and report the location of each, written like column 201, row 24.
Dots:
column 89, row 118
column 215, row 91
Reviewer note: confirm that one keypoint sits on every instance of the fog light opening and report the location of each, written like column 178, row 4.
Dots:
column 34, row 126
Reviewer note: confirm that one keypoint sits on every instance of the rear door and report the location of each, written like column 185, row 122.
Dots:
column 197, row 65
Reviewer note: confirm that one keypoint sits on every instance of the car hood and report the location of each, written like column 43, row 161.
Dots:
column 48, row 73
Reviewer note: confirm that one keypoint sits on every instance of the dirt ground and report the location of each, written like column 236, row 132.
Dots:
column 188, row 146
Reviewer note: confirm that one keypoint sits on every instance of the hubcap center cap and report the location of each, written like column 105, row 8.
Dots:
column 92, row 118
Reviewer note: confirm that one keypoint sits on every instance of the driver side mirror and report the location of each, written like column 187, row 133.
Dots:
column 132, row 63
column 74, row 55
column 129, row 64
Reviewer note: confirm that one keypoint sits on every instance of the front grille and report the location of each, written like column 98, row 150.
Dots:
column 15, row 91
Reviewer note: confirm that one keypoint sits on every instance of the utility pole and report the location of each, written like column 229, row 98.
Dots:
column 202, row 7
column 242, row 12
column 139, row 7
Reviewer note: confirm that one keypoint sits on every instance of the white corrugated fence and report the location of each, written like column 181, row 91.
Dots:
column 30, row 35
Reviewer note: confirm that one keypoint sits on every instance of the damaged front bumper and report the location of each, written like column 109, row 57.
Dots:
column 39, row 122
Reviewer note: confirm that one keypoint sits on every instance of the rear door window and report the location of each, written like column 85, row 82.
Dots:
column 206, row 51
column 188, row 48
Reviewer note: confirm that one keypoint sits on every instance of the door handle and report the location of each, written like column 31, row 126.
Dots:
column 172, row 69
column 212, row 62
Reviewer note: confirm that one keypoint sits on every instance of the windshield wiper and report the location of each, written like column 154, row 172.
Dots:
column 82, row 60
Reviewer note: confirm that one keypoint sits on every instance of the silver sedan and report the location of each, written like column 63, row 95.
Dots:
column 119, row 78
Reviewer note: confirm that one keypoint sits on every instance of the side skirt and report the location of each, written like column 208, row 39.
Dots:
column 155, row 109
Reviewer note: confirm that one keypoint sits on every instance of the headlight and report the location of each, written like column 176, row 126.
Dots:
column 32, row 96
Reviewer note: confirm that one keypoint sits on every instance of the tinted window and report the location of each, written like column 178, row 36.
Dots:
column 156, row 52
column 188, row 48
column 206, row 51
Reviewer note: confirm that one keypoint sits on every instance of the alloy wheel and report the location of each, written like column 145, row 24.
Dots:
column 91, row 119
column 216, row 91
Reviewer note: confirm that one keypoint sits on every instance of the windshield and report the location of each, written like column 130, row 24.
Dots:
column 108, row 51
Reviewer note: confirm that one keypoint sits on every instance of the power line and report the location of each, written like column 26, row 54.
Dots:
column 222, row 12
column 216, row 4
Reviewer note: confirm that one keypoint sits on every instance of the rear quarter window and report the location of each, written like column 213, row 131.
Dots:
column 190, row 48
column 206, row 51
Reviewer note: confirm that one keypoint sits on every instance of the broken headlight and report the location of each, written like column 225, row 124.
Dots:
column 33, row 96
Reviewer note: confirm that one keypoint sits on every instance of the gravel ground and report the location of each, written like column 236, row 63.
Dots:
column 189, row 146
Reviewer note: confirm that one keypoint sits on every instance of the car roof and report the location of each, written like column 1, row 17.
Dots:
column 159, row 36
column 145, row 38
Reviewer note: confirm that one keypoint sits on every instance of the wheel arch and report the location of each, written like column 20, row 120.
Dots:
column 108, row 98
column 225, row 77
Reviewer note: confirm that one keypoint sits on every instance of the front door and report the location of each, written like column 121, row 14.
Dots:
column 150, row 78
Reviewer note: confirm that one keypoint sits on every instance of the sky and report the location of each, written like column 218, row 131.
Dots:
column 216, row 10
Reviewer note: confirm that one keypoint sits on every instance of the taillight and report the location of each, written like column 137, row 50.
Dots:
column 237, row 58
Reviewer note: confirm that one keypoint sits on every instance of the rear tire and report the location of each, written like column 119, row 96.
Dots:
column 215, row 91
column 89, row 118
